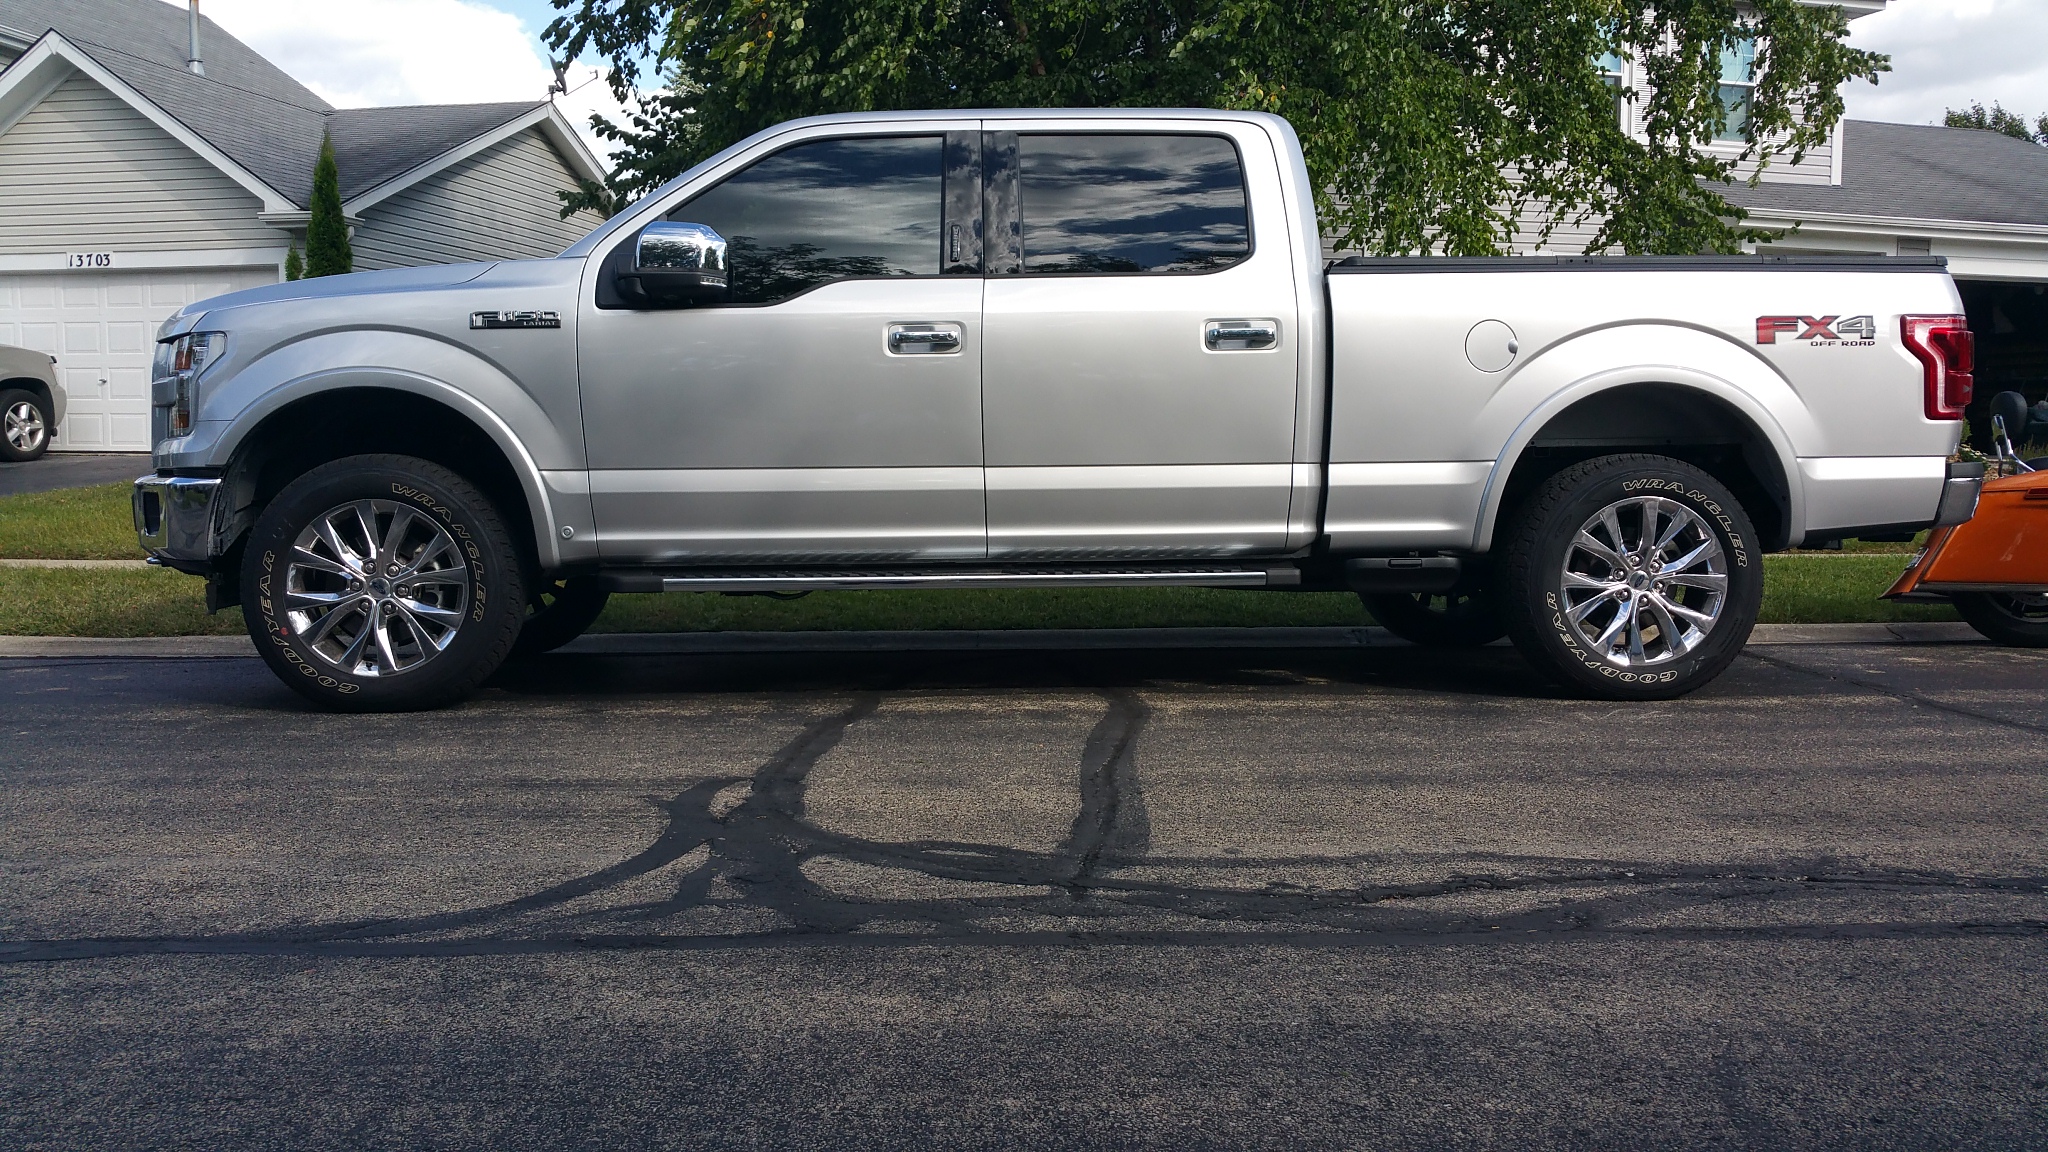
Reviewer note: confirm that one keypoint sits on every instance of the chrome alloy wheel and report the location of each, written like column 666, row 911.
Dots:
column 376, row 589
column 23, row 426
column 1644, row 581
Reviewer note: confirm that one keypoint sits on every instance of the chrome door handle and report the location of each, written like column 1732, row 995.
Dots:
column 923, row 339
column 1240, row 335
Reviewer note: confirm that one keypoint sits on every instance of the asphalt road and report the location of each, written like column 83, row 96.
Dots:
column 70, row 470
column 1376, row 899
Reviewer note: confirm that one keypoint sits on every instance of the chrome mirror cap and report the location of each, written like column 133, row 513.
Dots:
column 676, row 263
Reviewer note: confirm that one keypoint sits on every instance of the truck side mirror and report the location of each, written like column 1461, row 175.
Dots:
column 676, row 264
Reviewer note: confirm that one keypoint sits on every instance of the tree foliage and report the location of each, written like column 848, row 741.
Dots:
column 294, row 264
column 1998, row 120
column 1429, row 125
column 327, row 248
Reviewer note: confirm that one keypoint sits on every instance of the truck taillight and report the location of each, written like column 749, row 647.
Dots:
column 1948, row 355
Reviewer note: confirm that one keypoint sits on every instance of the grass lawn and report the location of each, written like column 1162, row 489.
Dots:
column 148, row 602
column 70, row 524
column 95, row 524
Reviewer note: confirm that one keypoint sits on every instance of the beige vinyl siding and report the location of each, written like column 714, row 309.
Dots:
column 83, row 170
column 497, row 205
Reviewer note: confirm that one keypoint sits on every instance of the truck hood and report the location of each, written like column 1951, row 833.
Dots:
column 430, row 278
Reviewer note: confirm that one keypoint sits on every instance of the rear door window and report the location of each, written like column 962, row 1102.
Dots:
column 1128, row 203
column 828, row 210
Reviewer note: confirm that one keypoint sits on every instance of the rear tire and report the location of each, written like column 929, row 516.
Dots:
column 382, row 584
column 26, row 425
column 1460, row 618
column 1625, row 618
column 564, row 608
column 2014, row 620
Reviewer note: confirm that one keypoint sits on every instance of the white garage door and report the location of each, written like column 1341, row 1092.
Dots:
column 99, row 325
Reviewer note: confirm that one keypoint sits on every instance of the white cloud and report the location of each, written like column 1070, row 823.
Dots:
column 1948, row 53
column 368, row 53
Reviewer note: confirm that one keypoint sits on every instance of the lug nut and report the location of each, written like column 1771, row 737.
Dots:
column 404, row 589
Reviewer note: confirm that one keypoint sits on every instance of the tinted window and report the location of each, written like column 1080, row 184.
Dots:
column 826, row 211
column 1131, row 203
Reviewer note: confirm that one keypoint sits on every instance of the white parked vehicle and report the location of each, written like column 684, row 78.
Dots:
column 1050, row 348
column 31, row 403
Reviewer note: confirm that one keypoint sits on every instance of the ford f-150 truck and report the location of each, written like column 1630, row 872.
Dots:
column 1046, row 348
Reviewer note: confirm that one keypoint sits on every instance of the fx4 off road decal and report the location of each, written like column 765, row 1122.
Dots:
column 1818, row 331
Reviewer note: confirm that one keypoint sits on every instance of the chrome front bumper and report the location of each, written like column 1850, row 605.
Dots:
column 174, row 518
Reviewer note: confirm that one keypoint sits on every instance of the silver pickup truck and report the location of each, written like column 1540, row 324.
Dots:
column 1044, row 349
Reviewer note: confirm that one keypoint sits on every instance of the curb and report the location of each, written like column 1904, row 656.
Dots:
column 1009, row 640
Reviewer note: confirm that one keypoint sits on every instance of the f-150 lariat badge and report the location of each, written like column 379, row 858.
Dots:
column 515, row 319
column 1819, row 331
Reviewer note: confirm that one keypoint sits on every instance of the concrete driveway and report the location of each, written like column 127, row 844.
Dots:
column 1373, row 899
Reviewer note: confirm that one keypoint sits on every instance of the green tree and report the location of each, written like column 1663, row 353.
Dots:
column 294, row 264
column 327, row 248
column 1427, row 126
column 1998, row 120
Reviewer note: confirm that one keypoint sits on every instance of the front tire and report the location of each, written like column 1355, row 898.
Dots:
column 382, row 584
column 2016, row 620
column 1631, row 577
column 26, row 425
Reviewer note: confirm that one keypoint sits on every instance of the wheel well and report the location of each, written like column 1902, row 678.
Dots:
column 350, row 421
column 1669, row 420
column 31, row 384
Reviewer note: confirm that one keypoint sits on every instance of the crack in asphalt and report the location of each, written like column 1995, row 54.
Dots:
column 1100, row 886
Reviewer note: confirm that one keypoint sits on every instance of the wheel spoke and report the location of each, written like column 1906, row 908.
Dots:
column 445, row 617
column 1674, row 640
column 1712, row 581
column 427, row 644
column 440, row 544
column 352, row 656
column 1706, row 547
column 1700, row 619
column 401, row 519
column 383, row 630
column 326, row 624
column 1591, row 543
column 305, row 559
column 328, row 536
column 1681, row 519
column 317, row 599
column 1578, row 614
column 1605, row 640
column 1612, row 523
column 1635, row 630
column 1574, row 581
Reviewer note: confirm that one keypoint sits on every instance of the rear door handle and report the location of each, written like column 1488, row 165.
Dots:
column 923, row 339
column 1240, row 335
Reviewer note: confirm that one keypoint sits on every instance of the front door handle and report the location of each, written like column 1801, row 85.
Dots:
column 923, row 339
column 1240, row 335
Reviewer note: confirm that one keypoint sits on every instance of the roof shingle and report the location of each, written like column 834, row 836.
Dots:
column 1920, row 172
column 246, row 106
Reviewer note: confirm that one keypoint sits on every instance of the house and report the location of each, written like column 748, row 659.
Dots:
column 149, row 159
column 1978, row 198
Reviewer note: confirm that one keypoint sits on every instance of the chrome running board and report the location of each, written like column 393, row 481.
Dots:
column 1208, row 576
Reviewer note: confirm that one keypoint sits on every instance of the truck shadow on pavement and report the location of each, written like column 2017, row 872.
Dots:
column 739, row 864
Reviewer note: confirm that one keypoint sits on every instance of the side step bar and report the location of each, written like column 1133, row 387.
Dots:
column 1207, row 576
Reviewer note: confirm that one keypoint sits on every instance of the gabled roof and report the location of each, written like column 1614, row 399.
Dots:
column 1919, row 172
column 248, row 116
column 372, row 145
column 244, row 105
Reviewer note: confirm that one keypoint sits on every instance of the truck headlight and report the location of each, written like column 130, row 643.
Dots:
column 179, row 361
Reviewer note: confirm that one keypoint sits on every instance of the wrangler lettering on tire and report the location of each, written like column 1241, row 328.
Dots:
column 382, row 583
column 1630, row 577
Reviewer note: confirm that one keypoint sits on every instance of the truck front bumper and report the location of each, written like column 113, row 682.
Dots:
column 175, row 520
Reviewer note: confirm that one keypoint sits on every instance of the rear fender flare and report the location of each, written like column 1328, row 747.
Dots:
column 1703, row 361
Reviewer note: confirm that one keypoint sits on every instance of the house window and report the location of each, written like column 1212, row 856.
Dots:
column 1610, row 65
column 1738, row 83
